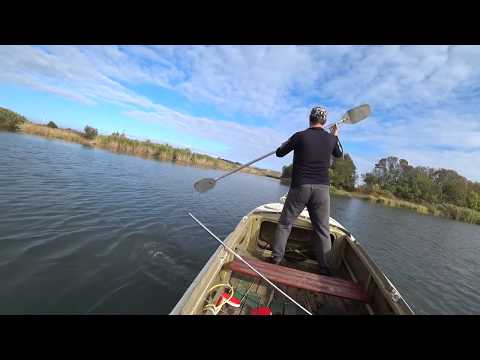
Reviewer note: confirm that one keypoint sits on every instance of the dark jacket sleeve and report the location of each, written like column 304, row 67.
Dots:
column 287, row 146
column 337, row 149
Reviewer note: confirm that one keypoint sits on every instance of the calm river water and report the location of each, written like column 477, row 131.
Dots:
column 87, row 231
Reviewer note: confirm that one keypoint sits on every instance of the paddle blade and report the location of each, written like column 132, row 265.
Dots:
column 357, row 114
column 204, row 184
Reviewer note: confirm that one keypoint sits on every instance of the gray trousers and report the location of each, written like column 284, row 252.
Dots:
column 316, row 198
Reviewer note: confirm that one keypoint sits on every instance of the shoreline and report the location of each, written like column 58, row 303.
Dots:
column 442, row 210
column 120, row 144
column 448, row 211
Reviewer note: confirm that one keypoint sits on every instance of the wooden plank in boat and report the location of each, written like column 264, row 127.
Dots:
column 301, row 279
column 291, row 272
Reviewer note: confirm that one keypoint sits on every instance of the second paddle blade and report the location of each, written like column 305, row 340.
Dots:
column 357, row 114
column 204, row 184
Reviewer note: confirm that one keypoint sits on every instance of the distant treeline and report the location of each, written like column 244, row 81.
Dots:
column 443, row 190
column 342, row 173
column 395, row 183
column 116, row 142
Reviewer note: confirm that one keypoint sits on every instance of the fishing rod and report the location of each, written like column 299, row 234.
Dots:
column 352, row 116
column 246, row 263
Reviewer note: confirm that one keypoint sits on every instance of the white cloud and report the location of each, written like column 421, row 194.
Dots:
column 443, row 139
column 424, row 98
column 392, row 75
column 260, row 80
column 63, row 70
column 242, row 143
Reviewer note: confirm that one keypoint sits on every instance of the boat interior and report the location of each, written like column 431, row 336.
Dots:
column 355, row 287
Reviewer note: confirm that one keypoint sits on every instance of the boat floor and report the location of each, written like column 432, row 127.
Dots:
column 255, row 292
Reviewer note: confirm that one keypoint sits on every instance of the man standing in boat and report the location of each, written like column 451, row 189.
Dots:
column 312, row 151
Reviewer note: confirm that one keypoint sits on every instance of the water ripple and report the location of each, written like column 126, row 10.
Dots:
column 87, row 231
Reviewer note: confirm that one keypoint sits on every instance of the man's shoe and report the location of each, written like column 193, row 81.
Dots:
column 272, row 260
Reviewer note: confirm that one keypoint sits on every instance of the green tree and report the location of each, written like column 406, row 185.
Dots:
column 10, row 120
column 343, row 173
column 422, row 184
column 287, row 171
column 473, row 200
column 90, row 132
column 52, row 125
column 453, row 187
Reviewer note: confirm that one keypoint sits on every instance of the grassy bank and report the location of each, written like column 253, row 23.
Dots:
column 62, row 134
column 10, row 120
column 121, row 144
column 445, row 210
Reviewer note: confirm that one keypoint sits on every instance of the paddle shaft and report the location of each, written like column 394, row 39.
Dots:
column 264, row 156
column 246, row 263
column 329, row 126
column 244, row 166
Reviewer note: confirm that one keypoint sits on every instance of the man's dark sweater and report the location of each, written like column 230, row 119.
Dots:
column 313, row 148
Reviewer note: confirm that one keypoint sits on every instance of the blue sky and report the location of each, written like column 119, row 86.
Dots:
column 239, row 102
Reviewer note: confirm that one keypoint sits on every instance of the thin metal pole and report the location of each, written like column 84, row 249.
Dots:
column 246, row 263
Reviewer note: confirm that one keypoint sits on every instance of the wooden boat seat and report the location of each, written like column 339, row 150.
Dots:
column 300, row 279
